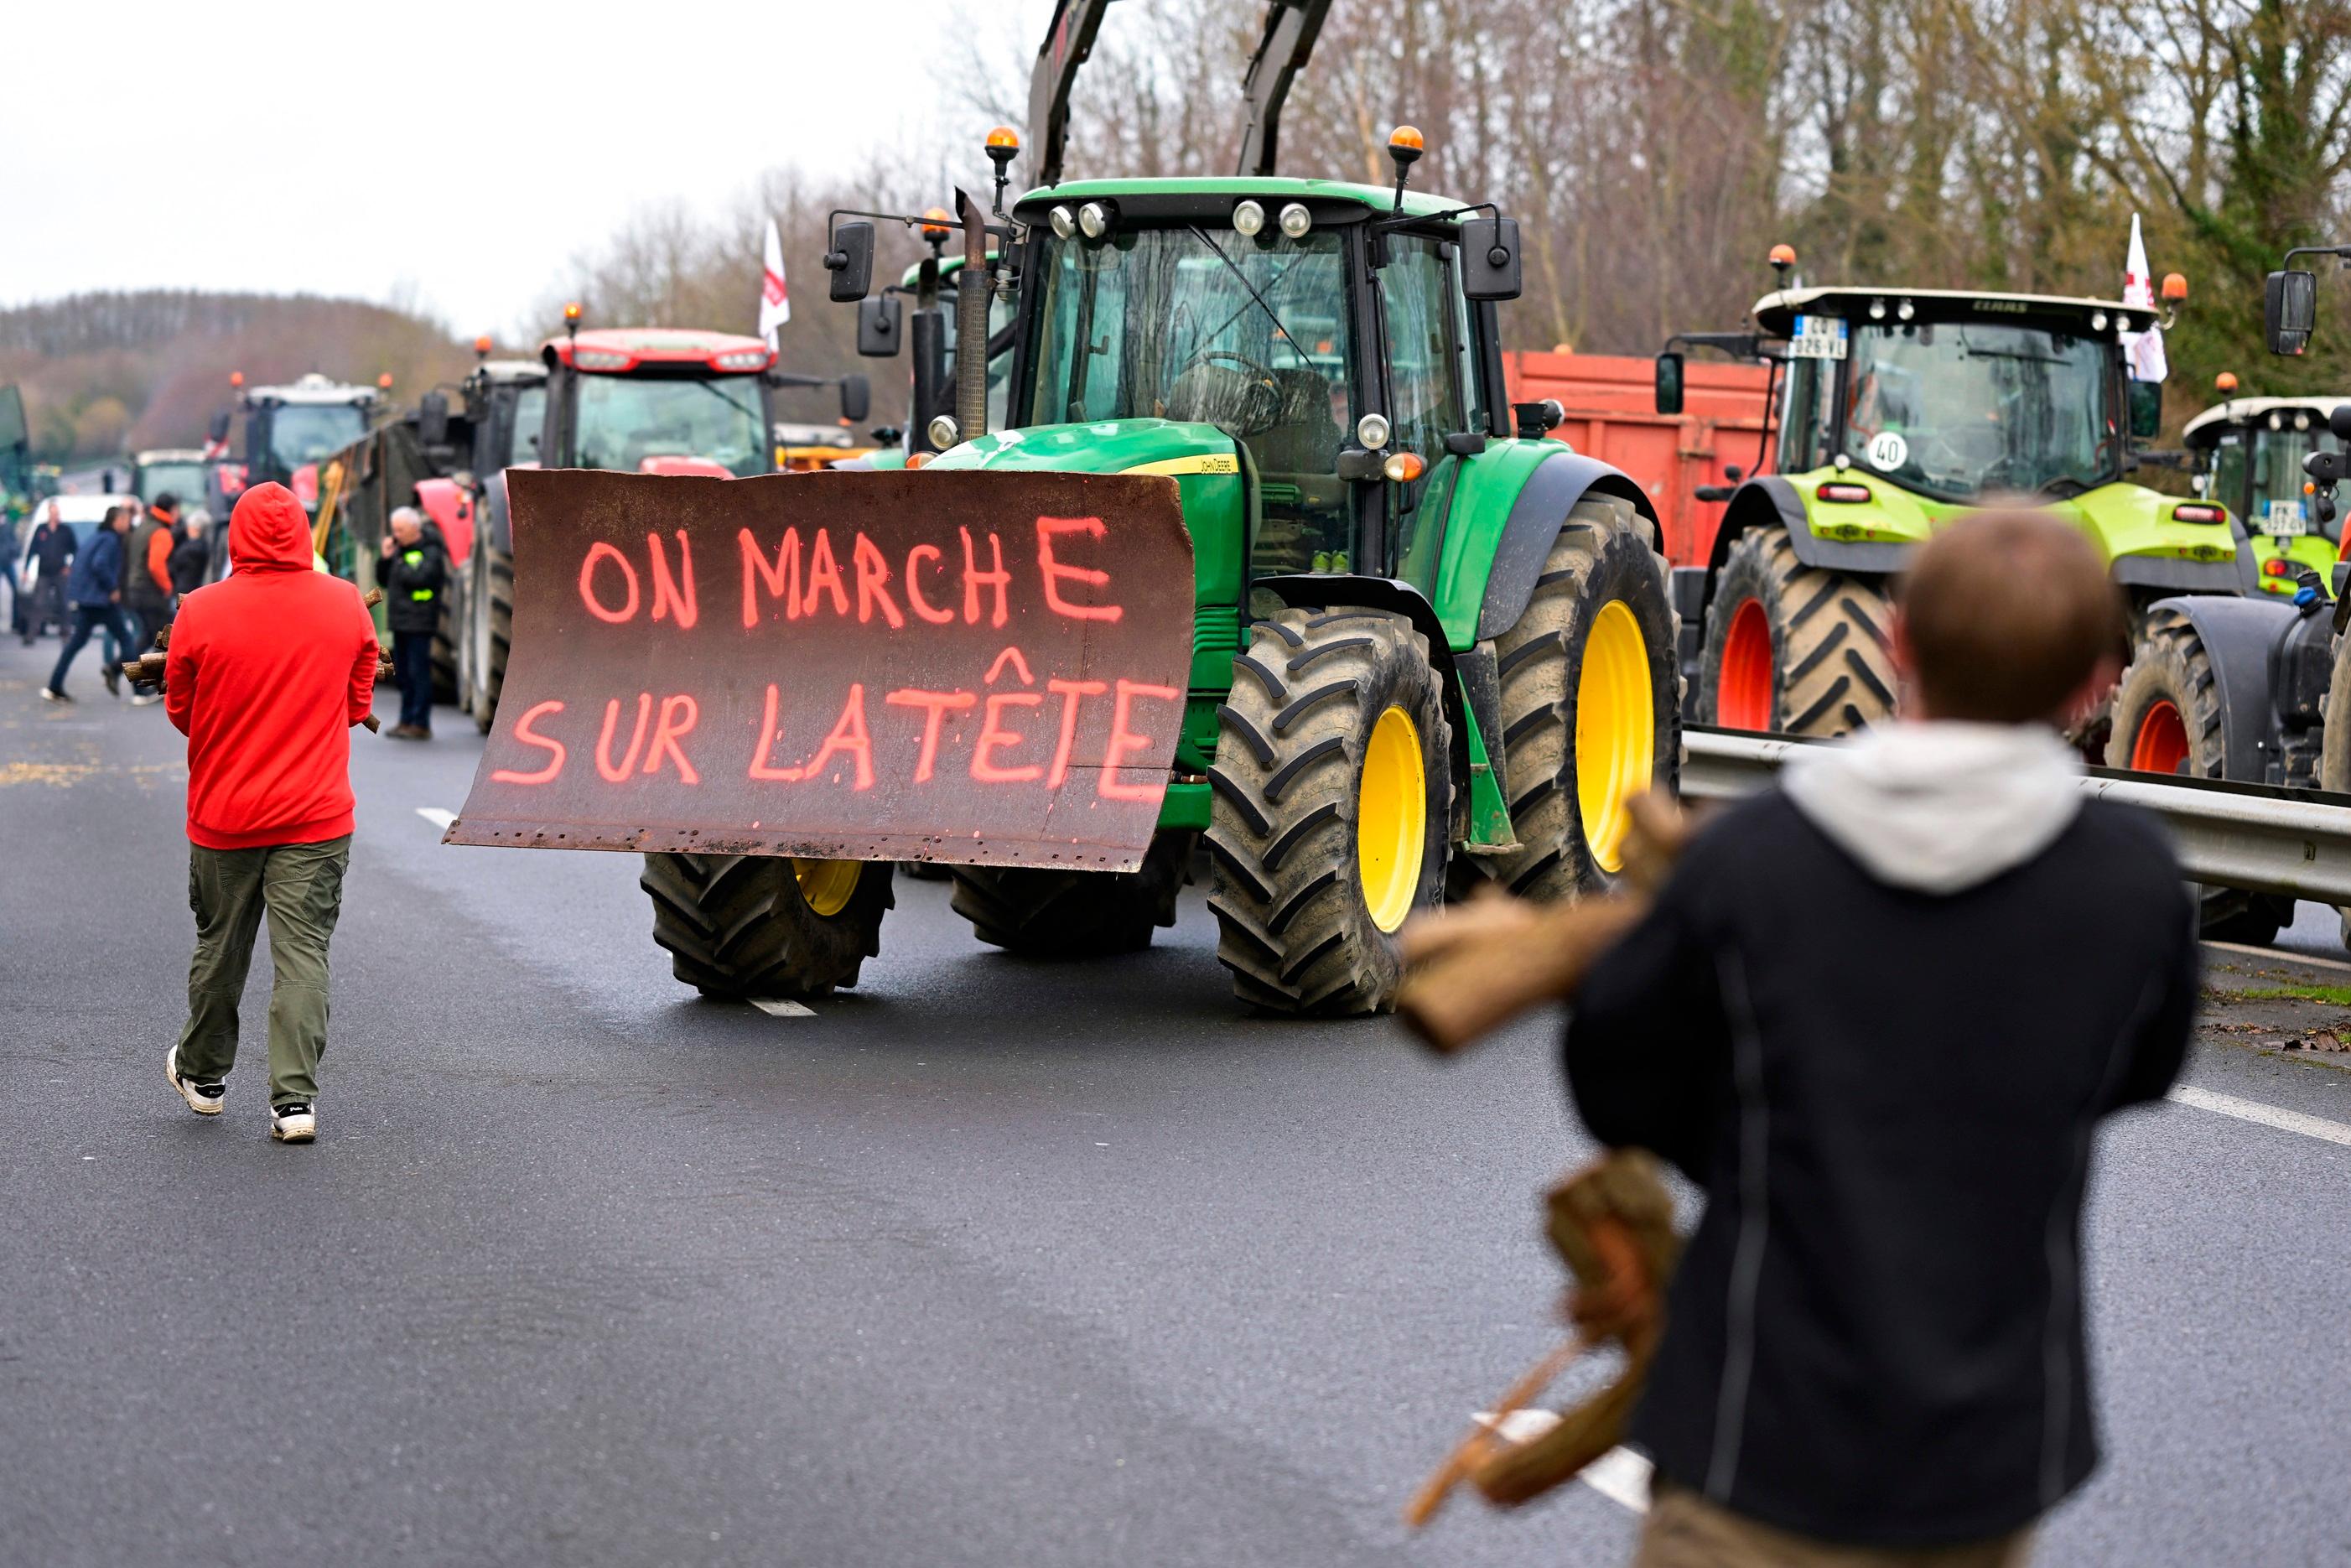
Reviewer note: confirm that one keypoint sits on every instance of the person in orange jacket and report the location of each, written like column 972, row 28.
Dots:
column 147, row 580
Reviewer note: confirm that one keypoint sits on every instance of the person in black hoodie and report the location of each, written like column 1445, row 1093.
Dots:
column 416, row 574
column 191, row 554
column 1877, row 1014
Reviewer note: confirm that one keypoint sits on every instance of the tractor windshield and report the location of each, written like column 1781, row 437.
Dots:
column 1956, row 409
column 1240, row 333
column 623, row 419
column 2269, row 494
column 302, row 433
column 184, row 481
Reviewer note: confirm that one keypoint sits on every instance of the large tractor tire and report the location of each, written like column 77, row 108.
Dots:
column 2335, row 743
column 2167, row 720
column 742, row 927
column 1333, row 798
column 491, row 628
column 1791, row 648
column 1042, row 913
column 447, row 630
column 1591, row 701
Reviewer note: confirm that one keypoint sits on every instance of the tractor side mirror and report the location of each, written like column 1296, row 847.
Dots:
column 1490, row 258
column 1669, row 383
column 2289, row 310
column 432, row 419
column 2339, row 422
column 880, row 322
column 856, row 398
column 2146, row 410
column 850, row 261
column 217, row 431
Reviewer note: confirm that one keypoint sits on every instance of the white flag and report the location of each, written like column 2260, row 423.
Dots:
column 2143, row 350
column 775, row 300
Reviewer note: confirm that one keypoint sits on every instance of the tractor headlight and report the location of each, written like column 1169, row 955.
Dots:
column 1094, row 219
column 944, row 431
column 1296, row 220
column 1372, row 432
column 1248, row 220
column 1064, row 221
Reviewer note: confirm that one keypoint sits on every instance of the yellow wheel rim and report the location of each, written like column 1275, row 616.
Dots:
column 1391, row 819
column 1615, row 731
column 828, row 885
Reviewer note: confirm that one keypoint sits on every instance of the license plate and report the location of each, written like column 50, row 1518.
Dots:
column 1819, row 337
column 2283, row 520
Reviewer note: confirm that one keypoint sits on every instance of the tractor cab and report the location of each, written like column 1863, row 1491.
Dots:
column 289, row 430
column 1325, row 340
column 647, row 400
column 1954, row 396
column 176, row 472
column 2248, row 453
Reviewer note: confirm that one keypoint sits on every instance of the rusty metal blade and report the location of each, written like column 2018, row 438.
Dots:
column 831, row 665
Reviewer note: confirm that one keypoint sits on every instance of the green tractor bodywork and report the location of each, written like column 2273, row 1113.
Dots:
column 1428, row 644
column 2248, row 453
column 1452, row 528
column 1898, row 412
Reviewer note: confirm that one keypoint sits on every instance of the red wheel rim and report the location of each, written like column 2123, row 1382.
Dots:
column 2161, row 744
column 1743, row 692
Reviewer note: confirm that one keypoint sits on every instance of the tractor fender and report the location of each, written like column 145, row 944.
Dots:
column 2239, row 635
column 1771, row 500
column 446, row 503
column 1550, row 493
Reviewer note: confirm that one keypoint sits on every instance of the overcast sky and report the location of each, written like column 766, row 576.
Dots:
column 462, row 152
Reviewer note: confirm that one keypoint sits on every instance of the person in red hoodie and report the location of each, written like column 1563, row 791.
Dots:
column 269, row 669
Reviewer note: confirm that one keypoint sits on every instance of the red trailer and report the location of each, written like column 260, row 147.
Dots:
column 1612, row 415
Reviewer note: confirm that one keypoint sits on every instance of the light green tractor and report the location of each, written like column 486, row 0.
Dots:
column 1897, row 412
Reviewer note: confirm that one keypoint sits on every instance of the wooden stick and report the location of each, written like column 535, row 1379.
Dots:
column 1484, row 1434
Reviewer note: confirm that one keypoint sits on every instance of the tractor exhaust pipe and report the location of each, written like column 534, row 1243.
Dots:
column 971, row 323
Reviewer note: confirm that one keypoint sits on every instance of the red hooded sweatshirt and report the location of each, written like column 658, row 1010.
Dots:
column 269, row 669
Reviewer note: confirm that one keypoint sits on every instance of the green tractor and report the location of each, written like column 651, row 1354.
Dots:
column 1429, row 645
column 2248, row 453
column 1899, row 410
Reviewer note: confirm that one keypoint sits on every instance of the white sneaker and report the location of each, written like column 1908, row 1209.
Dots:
column 51, row 695
column 204, row 1099
column 143, row 699
column 294, row 1123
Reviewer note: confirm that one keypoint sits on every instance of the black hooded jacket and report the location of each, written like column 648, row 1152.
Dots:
column 1888, row 1095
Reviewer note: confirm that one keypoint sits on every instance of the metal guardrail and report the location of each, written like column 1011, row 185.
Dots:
column 2249, row 836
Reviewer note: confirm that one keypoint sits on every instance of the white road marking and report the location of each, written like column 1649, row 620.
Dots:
column 777, row 1007
column 2281, row 956
column 2267, row 1116
column 437, row 816
column 1619, row 1475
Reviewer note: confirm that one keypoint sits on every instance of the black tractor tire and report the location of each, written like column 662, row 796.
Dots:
column 493, row 631
column 1284, row 838
column 2169, row 677
column 2335, row 743
column 1042, row 913
column 2166, row 710
column 737, row 927
column 446, row 630
column 1606, row 553
column 1832, row 646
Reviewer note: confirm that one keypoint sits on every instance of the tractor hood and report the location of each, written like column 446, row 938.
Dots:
column 1103, row 447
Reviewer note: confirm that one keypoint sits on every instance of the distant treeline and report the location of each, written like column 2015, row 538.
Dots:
column 107, row 372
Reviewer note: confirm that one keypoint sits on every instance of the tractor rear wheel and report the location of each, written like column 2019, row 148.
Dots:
column 447, row 629
column 1333, row 803
column 1042, row 913
column 1591, row 701
column 2167, row 720
column 2335, row 742
column 491, row 628
column 767, row 925
column 1793, row 648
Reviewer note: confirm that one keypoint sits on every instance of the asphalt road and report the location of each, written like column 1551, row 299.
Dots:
column 991, row 1262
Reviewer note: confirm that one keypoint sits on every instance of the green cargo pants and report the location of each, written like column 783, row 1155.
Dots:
column 301, row 886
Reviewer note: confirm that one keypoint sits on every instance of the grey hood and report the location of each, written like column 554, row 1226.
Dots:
column 1940, row 807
